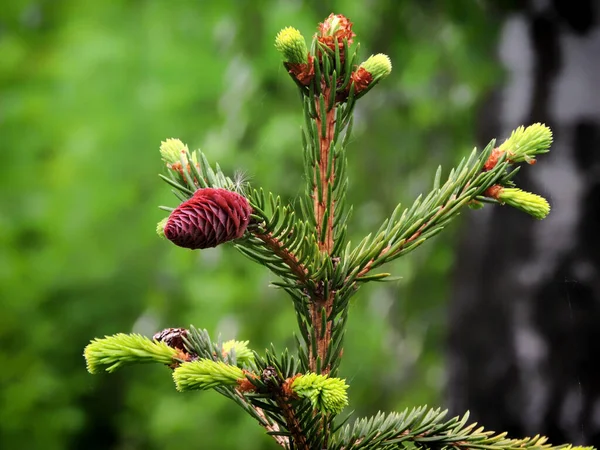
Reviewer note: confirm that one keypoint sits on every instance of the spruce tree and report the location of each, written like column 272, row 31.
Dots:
column 297, row 395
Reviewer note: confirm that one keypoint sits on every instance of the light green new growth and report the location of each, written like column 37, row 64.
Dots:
column 379, row 66
column 171, row 149
column 242, row 353
column 124, row 349
column 291, row 44
column 325, row 394
column 205, row 374
column 525, row 143
column 530, row 203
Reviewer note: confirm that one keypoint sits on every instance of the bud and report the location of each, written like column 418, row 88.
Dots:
column 123, row 349
column 211, row 217
column 325, row 394
column 525, row 143
column 297, row 61
column 242, row 353
column 160, row 227
column 532, row 204
column 368, row 74
column 333, row 30
column 379, row 66
column 292, row 46
column 205, row 374
column 171, row 149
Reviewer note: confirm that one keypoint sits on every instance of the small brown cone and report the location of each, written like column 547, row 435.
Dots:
column 211, row 217
column 173, row 337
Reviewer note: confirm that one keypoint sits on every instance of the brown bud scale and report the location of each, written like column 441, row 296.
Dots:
column 361, row 79
column 287, row 386
column 343, row 31
column 493, row 159
column 493, row 191
column 176, row 166
column 304, row 73
column 245, row 385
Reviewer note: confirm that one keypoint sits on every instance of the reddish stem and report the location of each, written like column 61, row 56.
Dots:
column 288, row 257
column 292, row 423
column 321, row 205
column 326, row 177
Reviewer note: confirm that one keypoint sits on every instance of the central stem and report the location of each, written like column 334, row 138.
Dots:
column 324, row 169
column 324, row 208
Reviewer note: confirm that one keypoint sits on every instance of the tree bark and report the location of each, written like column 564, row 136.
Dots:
column 524, row 333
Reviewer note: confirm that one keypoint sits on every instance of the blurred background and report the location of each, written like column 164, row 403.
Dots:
column 498, row 315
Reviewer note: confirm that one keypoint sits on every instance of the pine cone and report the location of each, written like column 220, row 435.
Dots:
column 209, row 218
column 173, row 337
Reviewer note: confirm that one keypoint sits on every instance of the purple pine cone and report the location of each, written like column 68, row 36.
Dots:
column 211, row 217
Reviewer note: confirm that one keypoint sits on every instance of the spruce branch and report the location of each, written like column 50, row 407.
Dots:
column 278, row 401
column 404, row 231
column 328, row 102
column 329, row 95
column 468, row 182
column 264, row 410
column 296, row 398
column 426, row 428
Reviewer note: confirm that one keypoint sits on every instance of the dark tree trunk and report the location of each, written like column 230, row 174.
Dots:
column 524, row 338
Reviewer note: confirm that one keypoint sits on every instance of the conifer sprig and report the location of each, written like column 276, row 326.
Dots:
column 407, row 229
column 426, row 428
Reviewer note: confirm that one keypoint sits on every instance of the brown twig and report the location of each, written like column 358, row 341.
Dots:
column 292, row 423
column 281, row 395
column 323, row 336
column 274, row 427
column 412, row 237
column 288, row 257
column 271, row 427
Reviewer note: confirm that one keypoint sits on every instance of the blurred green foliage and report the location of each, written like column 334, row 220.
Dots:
column 87, row 92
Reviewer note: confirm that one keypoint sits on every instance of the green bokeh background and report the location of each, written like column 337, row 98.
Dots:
column 87, row 92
